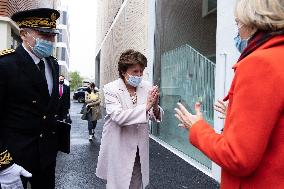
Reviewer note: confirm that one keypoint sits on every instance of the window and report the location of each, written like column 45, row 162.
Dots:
column 59, row 36
column 208, row 7
column 63, row 54
column 57, row 52
column 64, row 18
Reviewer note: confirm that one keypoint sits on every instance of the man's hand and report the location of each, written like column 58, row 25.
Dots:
column 10, row 178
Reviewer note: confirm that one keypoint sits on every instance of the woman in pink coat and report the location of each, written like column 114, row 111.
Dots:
column 130, row 103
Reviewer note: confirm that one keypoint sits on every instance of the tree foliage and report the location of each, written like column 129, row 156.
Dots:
column 76, row 80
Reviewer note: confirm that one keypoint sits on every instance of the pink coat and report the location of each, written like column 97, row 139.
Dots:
column 125, row 128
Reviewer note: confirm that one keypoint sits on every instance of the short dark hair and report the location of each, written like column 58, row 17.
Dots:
column 129, row 58
column 92, row 85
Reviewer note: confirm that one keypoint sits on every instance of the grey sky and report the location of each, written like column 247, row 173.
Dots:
column 82, row 18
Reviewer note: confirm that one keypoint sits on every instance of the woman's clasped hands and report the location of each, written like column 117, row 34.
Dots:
column 153, row 98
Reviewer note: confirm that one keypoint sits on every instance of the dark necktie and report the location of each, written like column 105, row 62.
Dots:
column 41, row 67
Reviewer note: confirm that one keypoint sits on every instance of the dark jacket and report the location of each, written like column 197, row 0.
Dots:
column 64, row 102
column 27, row 112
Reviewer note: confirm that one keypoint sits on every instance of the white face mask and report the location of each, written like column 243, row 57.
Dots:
column 134, row 80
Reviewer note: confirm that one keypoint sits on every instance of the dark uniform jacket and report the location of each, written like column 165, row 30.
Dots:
column 64, row 102
column 28, row 131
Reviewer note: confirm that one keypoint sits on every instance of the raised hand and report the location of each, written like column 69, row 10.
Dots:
column 187, row 119
column 153, row 98
column 156, row 95
column 221, row 107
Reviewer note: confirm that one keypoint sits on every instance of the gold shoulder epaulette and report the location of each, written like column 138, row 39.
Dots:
column 5, row 158
column 6, row 51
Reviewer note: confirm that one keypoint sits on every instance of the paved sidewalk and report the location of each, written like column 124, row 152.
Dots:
column 77, row 170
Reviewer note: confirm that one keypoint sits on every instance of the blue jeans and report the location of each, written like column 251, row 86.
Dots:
column 91, row 124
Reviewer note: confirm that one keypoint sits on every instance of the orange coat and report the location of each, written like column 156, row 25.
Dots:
column 251, row 148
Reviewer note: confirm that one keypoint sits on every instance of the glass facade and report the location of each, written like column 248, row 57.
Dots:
column 186, row 77
column 184, row 68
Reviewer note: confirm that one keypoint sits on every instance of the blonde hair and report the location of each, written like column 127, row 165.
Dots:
column 266, row 15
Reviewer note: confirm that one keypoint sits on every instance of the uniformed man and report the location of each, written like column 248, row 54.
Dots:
column 28, row 103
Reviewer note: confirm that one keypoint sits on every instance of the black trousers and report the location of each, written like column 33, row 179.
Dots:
column 41, row 179
column 62, row 116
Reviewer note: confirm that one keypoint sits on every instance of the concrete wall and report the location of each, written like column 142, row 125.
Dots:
column 226, row 57
column 128, row 30
column 226, row 52
column 106, row 13
column 8, row 7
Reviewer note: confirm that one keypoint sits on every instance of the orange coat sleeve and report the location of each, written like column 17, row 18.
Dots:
column 255, row 105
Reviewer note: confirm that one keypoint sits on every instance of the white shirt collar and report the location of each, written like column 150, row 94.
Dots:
column 34, row 57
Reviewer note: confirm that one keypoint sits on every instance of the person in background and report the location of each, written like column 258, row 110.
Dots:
column 250, row 150
column 64, row 100
column 92, row 101
column 130, row 103
column 29, row 103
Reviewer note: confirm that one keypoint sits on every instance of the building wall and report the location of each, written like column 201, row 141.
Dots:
column 8, row 29
column 129, row 30
column 180, row 22
column 106, row 13
column 63, row 39
column 9, row 7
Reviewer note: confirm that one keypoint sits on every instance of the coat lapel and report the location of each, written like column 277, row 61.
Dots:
column 31, row 71
column 55, row 92
column 125, row 94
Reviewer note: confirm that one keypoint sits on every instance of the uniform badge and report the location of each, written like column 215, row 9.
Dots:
column 53, row 17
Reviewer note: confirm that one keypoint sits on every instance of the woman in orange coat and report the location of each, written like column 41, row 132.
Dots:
column 250, row 150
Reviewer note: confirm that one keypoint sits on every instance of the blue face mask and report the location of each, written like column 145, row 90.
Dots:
column 134, row 80
column 42, row 48
column 240, row 43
